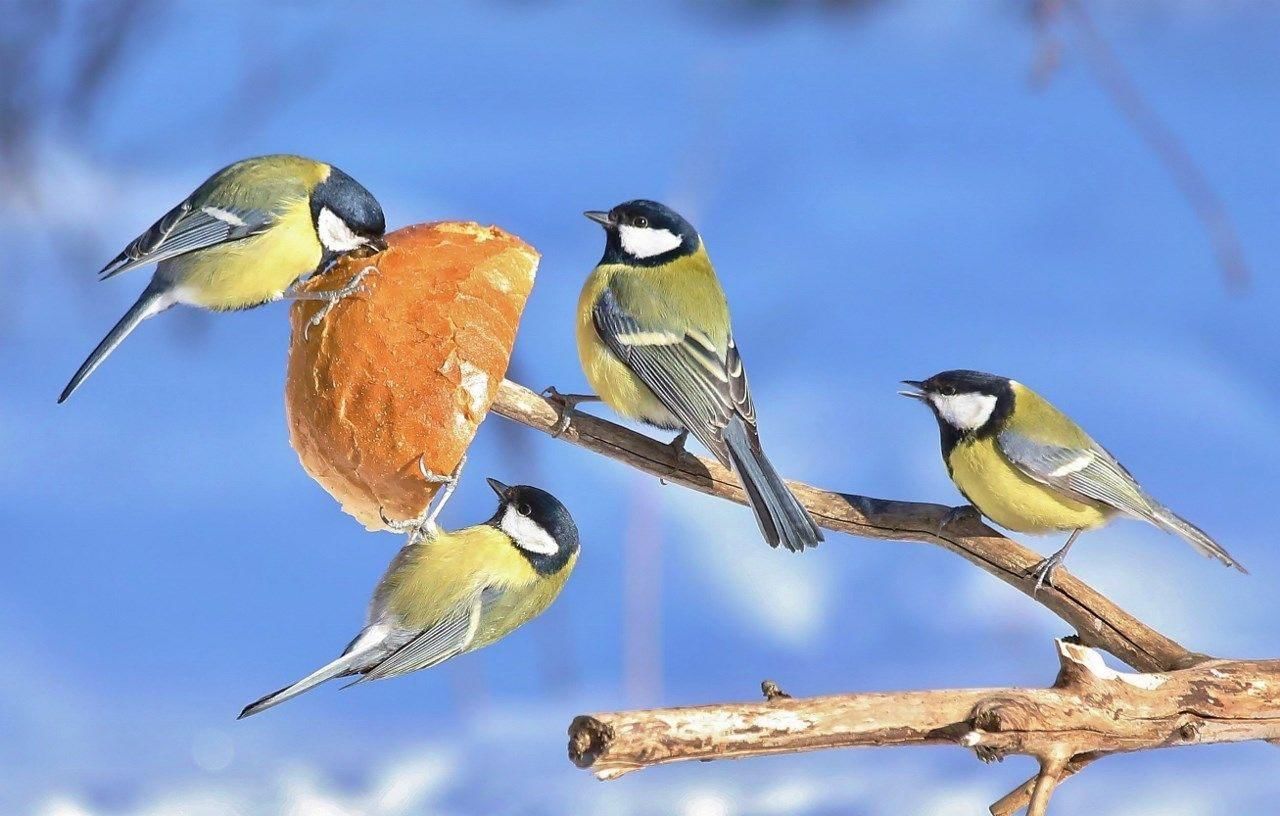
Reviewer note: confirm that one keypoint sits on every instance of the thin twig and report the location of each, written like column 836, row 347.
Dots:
column 1161, row 139
column 1020, row 797
column 1052, row 771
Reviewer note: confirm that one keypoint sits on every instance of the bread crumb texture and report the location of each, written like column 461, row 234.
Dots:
column 408, row 368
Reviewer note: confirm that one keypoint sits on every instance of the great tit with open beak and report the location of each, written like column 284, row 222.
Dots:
column 447, row 593
column 244, row 238
column 1029, row 468
column 655, row 344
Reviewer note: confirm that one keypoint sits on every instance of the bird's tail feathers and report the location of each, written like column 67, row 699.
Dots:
column 360, row 653
column 154, row 300
column 337, row 668
column 781, row 518
column 1169, row 521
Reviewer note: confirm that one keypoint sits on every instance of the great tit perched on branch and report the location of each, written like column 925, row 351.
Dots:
column 1028, row 467
column 656, row 345
column 244, row 238
column 447, row 593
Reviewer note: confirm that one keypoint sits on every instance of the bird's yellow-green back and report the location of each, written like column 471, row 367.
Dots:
column 259, row 182
column 1037, row 418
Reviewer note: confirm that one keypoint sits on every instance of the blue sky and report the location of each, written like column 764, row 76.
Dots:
column 885, row 196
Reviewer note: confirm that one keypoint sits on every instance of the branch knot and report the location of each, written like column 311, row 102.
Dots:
column 996, row 714
column 772, row 691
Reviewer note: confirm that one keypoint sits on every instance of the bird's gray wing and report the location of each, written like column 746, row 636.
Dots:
column 1082, row 473
column 448, row 638
column 703, row 386
column 187, row 228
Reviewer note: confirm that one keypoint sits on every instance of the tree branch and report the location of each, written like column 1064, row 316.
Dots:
column 1020, row 797
column 1097, row 620
column 1089, row 712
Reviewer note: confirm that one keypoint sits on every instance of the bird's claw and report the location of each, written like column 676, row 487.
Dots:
column 436, row 478
column 1043, row 571
column 567, row 405
column 677, row 446
column 561, row 401
column 958, row 515
column 425, row 527
column 408, row 525
column 355, row 286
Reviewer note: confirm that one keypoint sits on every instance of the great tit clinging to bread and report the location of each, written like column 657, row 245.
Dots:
column 243, row 238
column 447, row 593
column 656, row 345
column 1028, row 467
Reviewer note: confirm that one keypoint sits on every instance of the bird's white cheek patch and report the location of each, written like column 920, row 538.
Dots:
column 527, row 534
column 335, row 234
column 968, row 412
column 646, row 242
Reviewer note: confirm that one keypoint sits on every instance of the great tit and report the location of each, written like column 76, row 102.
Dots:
column 1028, row 467
column 244, row 238
column 447, row 593
column 656, row 345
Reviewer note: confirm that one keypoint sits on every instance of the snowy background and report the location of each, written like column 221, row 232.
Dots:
column 886, row 193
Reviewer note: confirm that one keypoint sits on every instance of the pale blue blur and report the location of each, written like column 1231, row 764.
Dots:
column 886, row 194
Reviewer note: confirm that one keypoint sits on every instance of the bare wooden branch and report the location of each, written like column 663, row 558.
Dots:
column 1097, row 620
column 1180, row 698
column 1089, row 712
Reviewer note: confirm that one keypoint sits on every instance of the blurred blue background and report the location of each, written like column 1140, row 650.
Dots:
column 888, row 189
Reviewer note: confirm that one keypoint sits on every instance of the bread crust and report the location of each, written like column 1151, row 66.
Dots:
column 407, row 369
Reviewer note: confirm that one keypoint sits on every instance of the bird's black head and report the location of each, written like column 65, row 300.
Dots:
column 966, row 403
column 346, row 216
column 645, row 233
column 538, row 525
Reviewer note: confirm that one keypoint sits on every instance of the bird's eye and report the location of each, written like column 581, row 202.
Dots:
column 524, row 509
column 640, row 221
column 947, row 390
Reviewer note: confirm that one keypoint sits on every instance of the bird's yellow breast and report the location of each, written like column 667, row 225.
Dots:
column 517, row 606
column 443, row 573
column 1012, row 499
column 252, row 271
column 609, row 378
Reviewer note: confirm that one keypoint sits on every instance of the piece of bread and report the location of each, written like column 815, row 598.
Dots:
column 408, row 368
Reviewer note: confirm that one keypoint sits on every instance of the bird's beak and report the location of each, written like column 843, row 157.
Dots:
column 377, row 244
column 498, row 487
column 917, row 394
column 600, row 217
